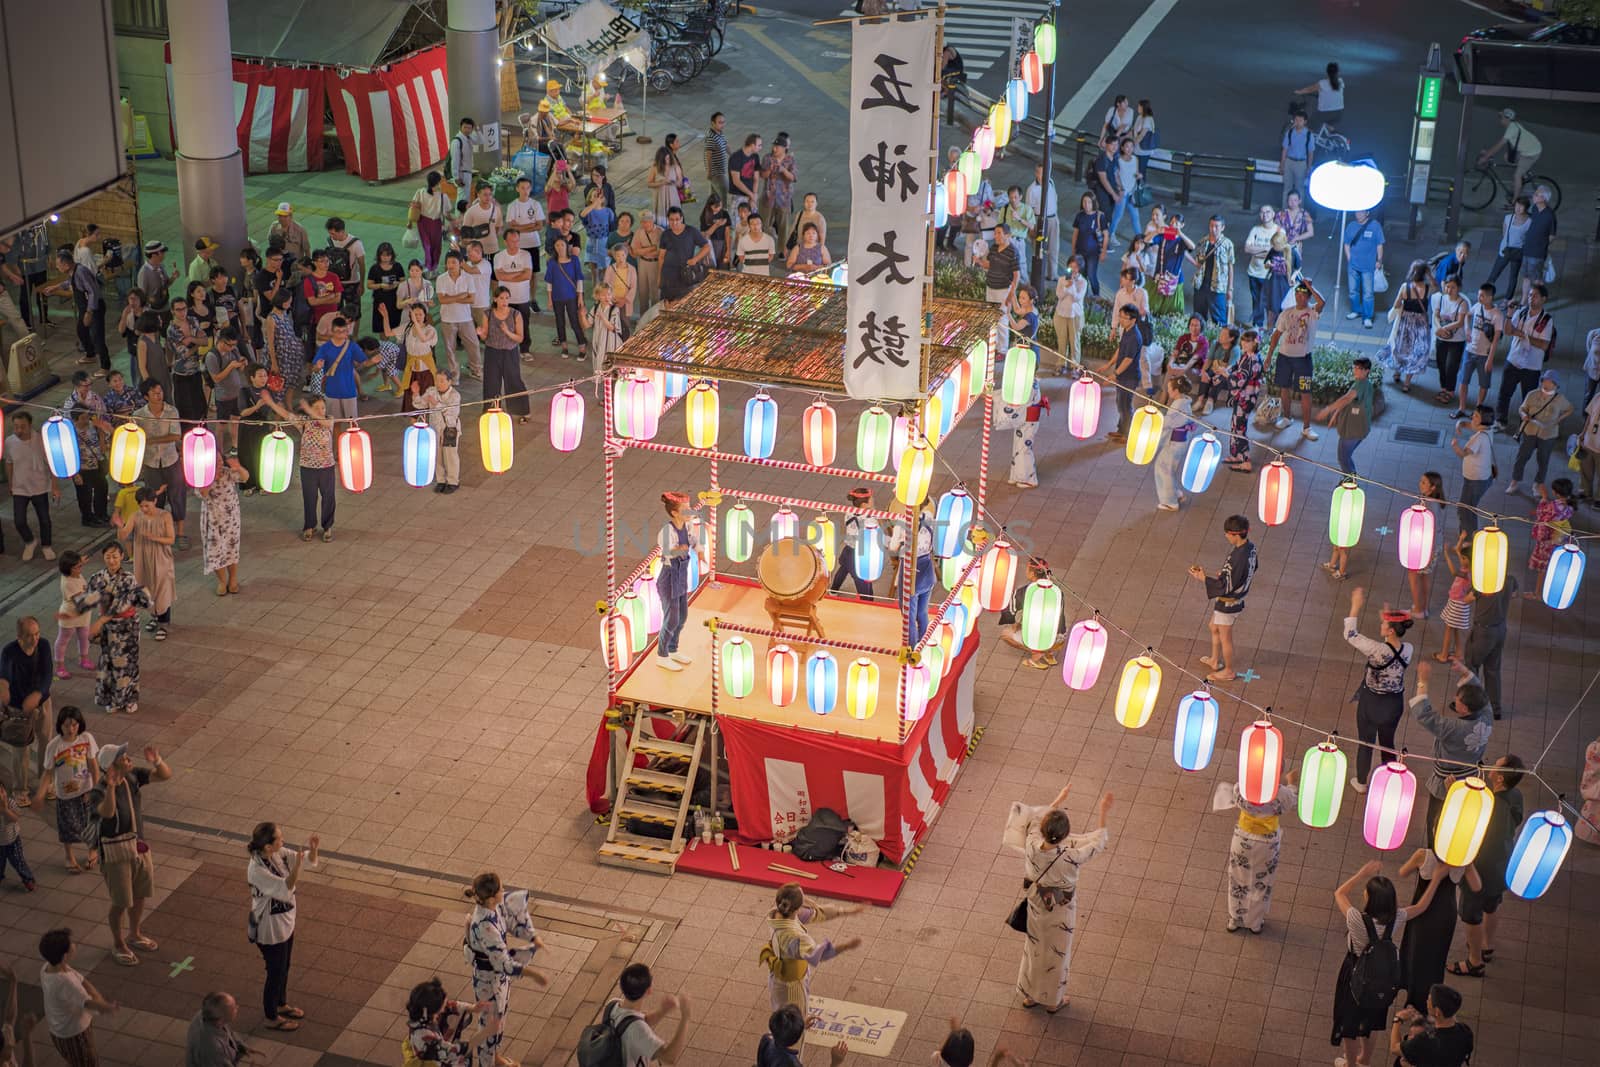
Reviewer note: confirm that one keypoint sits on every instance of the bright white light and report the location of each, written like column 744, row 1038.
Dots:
column 1341, row 186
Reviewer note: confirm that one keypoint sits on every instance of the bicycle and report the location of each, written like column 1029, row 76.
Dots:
column 1327, row 142
column 1490, row 183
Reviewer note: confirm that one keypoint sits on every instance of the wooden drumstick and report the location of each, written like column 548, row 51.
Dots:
column 781, row 869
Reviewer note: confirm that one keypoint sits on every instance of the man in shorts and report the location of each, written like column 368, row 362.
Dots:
column 125, row 860
column 1485, row 326
column 1289, row 352
column 1227, row 590
column 1479, row 906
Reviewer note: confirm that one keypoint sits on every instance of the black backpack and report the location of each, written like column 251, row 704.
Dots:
column 339, row 261
column 822, row 838
column 600, row 1044
column 1375, row 978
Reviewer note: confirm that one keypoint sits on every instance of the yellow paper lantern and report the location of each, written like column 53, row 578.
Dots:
column 1489, row 551
column 702, row 414
column 1000, row 122
column 1137, row 693
column 1145, row 435
column 1463, row 821
column 127, row 453
column 916, row 472
column 824, row 537
column 861, row 689
column 497, row 440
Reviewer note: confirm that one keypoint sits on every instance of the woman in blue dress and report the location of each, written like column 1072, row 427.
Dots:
column 673, row 582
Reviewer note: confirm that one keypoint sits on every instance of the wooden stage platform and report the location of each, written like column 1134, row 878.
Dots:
column 734, row 600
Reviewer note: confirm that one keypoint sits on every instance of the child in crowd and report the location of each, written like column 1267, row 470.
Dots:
column 1457, row 613
column 69, row 621
column 11, row 841
column 605, row 332
column 1228, row 588
column 1214, row 377
column 597, row 222
column 70, row 757
column 1552, row 525
column 391, row 358
column 70, row 1001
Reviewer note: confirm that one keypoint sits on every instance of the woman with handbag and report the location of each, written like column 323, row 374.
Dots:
column 428, row 215
column 286, row 352
column 1053, row 857
column 417, row 338
column 563, row 277
column 1351, row 414
column 1253, row 856
column 1380, row 698
column 1542, row 413
column 1409, row 342
column 1513, row 231
column 273, row 874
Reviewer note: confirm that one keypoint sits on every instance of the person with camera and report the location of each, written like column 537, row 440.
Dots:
column 273, row 873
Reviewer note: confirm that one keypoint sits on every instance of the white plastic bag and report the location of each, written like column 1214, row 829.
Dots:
column 410, row 238
column 859, row 849
column 1380, row 280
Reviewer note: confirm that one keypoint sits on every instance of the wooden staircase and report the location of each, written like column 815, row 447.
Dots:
column 658, row 793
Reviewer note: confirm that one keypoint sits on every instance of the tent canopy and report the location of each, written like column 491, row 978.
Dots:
column 350, row 33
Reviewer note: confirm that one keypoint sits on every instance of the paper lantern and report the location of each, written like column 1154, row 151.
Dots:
column 1260, row 761
column 1044, row 42
column 1032, row 72
column 861, row 689
column 1200, row 463
column 963, row 373
column 915, row 473
column 419, row 453
column 997, row 576
column 1000, row 122
column 869, row 552
column 1321, row 784
column 739, row 532
column 952, row 567
column 936, row 661
column 1041, row 615
column 1083, row 408
column 971, row 169
column 1145, row 435
column 1489, row 551
column 61, row 447
column 840, row 274
column 1017, row 92
column 939, row 207
column 952, row 397
column 819, row 433
column 914, row 691
column 1275, row 493
column 899, row 438
column 783, row 675
column 674, row 385
column 823, row 536
column 651, row 598
column 785, row 523
column 760, row 426
column 934, row 418
column 872, row 439
column 633, row 606
column 1541, row 846
column 1195, row 733
column 1463, row 821
column 496, row 440
column 822, row 682
column 704, row 404
column 1563, row 576
column 978, row 360
column 199, row 457
column 1137, row 692
column 276, row 464
column 355, row 460
column 952, row 522
column 955, row 191
column 968, row 596
column 692, row 580
column 1391, row 791
column 1016, row 385
column 1085, row 652
column 566, row 420
column 983, row 144
column 1347, row 514
column 957, row 616
column 127, row 453
column 738, row 667
column 1416, row 537
column 636, row 409
column 616, row 641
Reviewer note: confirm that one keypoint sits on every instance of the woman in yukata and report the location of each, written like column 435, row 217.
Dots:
column 1253, row 859
column 792, row 952
column 1053, row 858
column 118, row 596
column 496, row 916
column 436, row 1026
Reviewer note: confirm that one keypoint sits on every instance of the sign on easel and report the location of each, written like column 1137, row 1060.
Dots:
column 27, row 371
column 867, row 1030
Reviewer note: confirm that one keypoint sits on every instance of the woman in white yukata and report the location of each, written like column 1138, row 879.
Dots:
column 1253, row 858
column 1053, row 857
column 498, row 915
column 1023, row 422
column 792, row 953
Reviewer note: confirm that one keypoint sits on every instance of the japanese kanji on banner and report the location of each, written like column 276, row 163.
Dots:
column 891, row 127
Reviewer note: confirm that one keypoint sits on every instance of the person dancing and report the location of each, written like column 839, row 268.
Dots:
column 497, row 915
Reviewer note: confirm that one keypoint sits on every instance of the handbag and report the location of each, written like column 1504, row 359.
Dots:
column 410, row 238
column 1017, row 919
column 124, row 847
column 1354, row 423
column 1522, row 427
column 17, row 728
column 1549, row 271
column 1380, row 280
column 451, row 436
column 319, row 373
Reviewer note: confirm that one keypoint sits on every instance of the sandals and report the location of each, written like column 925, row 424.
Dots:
column 1209, row 662
column 307, row 535
column 286, row 1012
column 161, row 633
column 125, row 958
column 286, row 1025
column 1036, row 664
column 148, row 944
column 327, row 535
column 1465, row 969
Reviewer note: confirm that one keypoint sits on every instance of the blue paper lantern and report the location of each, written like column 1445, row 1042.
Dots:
column 61, row 447
column 956, row 616
column 952, row 522
column 675, row 385
column 951, row 403
column 760, row 426
column 840, row 275
column 1017, row 99
column 869, row 552
column 1200, row 463
column 694, row 570
column 822, row 682
column 1195, row 734
column 941, row 210
column 419, row 452
column 1563, row 576
column 1541, row 847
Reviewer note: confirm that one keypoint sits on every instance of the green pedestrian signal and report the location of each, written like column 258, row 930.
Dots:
column 1428, row 91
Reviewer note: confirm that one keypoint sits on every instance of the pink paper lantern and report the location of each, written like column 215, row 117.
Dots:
column 983, row 144
column 1390, row 794
column 1083, row 408
column 1416, row 537
column 1084, row 654
column 566, row 419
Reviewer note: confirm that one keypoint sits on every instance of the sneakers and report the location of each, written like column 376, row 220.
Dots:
column 28, row 549
column 1281, row 424
column 47, row 552
column 666, row 664
column 63, row 673
column 1459, row 414
column 1353, row 315
column 1358, row 785
column 679, row 657
column 1308, row 433
column 1367, row 323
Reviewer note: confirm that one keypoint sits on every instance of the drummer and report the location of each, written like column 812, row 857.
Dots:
column 672, row 584
column 859, row 497
column 922, row 585
column 558, row 107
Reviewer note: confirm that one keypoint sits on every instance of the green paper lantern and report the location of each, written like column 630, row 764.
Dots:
column 738, row 667
column 1345, row 518
column 277, row 462
column 971, row 167
column 1321, row 784
column 1017, row 384
column 873, row 433
column 739, row 532
column 632, row 605
column 1044, row 42
column 1041, row 615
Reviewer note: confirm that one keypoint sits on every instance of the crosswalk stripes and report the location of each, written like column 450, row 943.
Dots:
column 981, row 30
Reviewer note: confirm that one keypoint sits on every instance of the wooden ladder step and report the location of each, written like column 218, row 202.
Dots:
column 623, row 837
column 662, row 814
column 660, row 746
column 638, row 858
column 662, row 780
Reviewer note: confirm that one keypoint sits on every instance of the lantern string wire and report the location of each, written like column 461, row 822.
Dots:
column 1563, row 726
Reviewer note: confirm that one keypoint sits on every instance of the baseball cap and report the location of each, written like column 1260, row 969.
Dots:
column 109, row 754
column 1507, row 113
column 205, row 244
column 284, row 208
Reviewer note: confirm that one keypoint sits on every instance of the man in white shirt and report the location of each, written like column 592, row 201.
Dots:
column 482, row 221
column 1531, row 330
column 1256, row 246
column 526, row 217
column 1522, row 149
column 456, row 290
column 513, row 268
column 1485, row 325
column 641, row 1045
column 459, row 160
column 1047, row 220
column 1289, row 352
column 1477, row 464
column 755, row 248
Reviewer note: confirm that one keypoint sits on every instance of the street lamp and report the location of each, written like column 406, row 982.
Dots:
column 1346, row 187
column 1045, row 32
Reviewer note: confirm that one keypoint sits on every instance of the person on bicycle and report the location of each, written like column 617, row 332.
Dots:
column 1329, row 92
column 1521, row 147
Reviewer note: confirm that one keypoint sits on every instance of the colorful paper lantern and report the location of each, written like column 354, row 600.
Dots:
column 1145, row 435
column 633, row 606
column 952, row 567
column 861, row 689
column 760, row 426
column 1349, row 511
column 199, row 457
column 934, row 658
column 1195, row 732
column 738, row 667
column 1391, row 792
column 1000, row 122
column 693, row 578
column 1137, row 692
column 952, row 522
column 937, row 206
column 955, row 191
column 703, row 410
column 1321, row 784
column 355, row 460
column 419, row 453
column 276, row 464
column 1260, row 761
column 1016, row 384
column 916, row 472
column 819, row 433
column 997, row 576
column 970, row 168
column 1083, row 408
column 952, row 395
column 1415, row 543
column 823, row 535
column 869, row 551
column 1463, row 821
column 1033, row 71
column 636, row 407
column 1200, row 463
column 1275, row 492
column 674, row 385
column 616, row 641
column 978, row 360
column 566, row 420
column 785, row 523
column 1041, row 615
column 1541, row 847
column 956, row 616
column 839, row 274
column 1489, row 551
column 1017, row 93
column 739, row 532
column 127, row 453
column 983, row 145
column 496, row 440
column 933, row 418
column 899, row 438
column 968, row 595
column 873, row 432
column 645, row 587
column 1044, row 42
column 783, row 675
column 822, row 682
column 61, row 447
column 1563, row 576
column 914, row 691
column 1085, row 652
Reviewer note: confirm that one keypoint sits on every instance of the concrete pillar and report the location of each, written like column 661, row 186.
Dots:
column 471, row 48
column 210, row 167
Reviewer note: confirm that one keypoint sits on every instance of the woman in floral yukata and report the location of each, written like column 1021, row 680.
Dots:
column 1053, row 857
column 436, row 1025
column 496, row 916
column 792, row 952
column 1253, row 858
column 118, row 596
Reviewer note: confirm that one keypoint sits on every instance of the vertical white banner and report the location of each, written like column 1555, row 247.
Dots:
column 891, row 130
